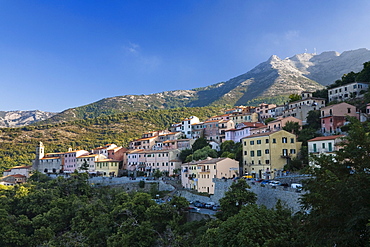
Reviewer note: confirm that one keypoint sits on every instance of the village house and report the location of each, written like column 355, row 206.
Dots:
column 132, row 159
column 12, row 180
column 344, row 92
column 186, row 125
column 199, row 175
column 107, row 167
column 276, row 111
column 335, row 116
column 266, row 154
column 87, row 161
column 19, row 170
column 197, row 130
column 144, row 143
column 215, row 168
column 165, row 141
column 259, row 130
column 69, row 160
column 189, row 175
column 241, row 130
column 263, row 111
column 300, row 108
column 326, row 145
column 244, row 117
column 279, row 123
column 150, row 160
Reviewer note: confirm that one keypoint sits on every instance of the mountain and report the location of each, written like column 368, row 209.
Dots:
column 271, row 81
column 22, row 118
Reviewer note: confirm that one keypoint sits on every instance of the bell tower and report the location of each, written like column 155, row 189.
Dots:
column 39, row 155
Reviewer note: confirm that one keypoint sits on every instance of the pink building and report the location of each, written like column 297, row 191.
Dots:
column 334, row 116
column 278, row 124
column 69, row 160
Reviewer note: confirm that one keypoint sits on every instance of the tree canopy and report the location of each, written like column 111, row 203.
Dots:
column 338, row 198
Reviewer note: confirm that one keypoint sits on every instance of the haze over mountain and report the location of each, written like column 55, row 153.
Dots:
column 271, row 81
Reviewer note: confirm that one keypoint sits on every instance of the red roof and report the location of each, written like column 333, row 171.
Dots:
column 323, row 138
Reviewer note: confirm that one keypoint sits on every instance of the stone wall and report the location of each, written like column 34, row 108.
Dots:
column 133, row 186
column 266, row 195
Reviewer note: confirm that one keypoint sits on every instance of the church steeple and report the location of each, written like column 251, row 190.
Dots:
column 39, row 155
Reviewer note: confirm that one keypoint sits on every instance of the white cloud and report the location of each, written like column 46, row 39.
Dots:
column 132, row 48
column 291, row 35
column 138, row 60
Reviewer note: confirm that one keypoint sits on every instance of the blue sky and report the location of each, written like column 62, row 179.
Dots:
column 56, row 55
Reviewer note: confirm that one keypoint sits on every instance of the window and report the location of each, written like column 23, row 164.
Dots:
column 267, row 162
column 252, row 153
column 292, row 151
column 259, row 153
column 314, row 148
column 267, row 151
column 291, row 140
column 251, row 142
column 267, row 140
column 245, row 152
column 284, row 140
column 245, row 143
column 285, row 152
column 349, row 110
column 258, row 141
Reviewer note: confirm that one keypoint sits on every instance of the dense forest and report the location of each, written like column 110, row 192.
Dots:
column 17, row 145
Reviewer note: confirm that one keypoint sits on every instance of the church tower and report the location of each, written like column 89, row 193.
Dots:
column 39, row 155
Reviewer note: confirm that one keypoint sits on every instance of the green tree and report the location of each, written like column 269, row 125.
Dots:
column 253, row 226
column 294, row 97
column 338, row 193
column 84, row 166
column 323, row 93
column 199, row 144
column 235, row 198
column 157, row 174
column 270, row 119
column 184, row 154
column 313, row 119
column 230, row 149
column 364, row 75
column 202, row 154
column 142, row 184
column 292, row 127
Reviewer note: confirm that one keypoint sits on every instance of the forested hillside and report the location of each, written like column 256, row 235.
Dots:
column 17, row 145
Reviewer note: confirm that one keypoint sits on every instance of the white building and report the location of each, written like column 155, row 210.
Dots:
column 344, row 92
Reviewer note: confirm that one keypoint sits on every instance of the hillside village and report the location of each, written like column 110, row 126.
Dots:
column 268, row 144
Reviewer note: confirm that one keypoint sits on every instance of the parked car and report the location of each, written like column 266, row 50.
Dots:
column 193, row 209
column 216, row 208
column 274, row 182
column 199, row 204
column 210, row 205
column 265, row 182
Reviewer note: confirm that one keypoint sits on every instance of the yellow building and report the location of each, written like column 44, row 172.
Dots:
column 107, row 167
column 266, row 154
